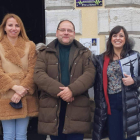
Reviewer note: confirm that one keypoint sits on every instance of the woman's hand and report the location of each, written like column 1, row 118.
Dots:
column 16, row 98
column 20, row 90
column 127, row 81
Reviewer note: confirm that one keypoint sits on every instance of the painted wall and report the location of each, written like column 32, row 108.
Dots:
column 90, row 24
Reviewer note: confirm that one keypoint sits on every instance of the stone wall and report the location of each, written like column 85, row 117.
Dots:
column 116, row 12
column 122, row 3
column 121, row 12
column 57, row 10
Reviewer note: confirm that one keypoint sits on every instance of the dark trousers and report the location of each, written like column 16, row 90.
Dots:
column 62, row 136
column 73, row 136
column 115, row 120
column 32, row 133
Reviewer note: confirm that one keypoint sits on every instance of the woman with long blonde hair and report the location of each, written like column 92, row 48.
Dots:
column 17, row 61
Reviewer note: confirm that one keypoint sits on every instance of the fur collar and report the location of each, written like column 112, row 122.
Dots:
column 16, row 52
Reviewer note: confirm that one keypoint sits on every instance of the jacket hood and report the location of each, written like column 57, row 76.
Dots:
column 40, row 45
column 131, row 42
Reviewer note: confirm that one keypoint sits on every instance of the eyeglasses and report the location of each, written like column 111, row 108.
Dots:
column 64, row 30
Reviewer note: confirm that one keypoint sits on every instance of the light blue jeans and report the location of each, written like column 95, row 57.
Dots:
column 15, row 129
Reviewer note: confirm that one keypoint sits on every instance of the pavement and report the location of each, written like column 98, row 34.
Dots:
column 48, row 138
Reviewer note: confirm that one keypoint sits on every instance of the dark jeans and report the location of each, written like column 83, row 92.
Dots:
column 115, row 120
column 73, row 136
column 61, row 136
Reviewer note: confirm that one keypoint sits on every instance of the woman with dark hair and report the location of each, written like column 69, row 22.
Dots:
column 117, row 112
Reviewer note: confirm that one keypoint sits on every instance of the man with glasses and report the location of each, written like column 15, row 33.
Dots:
column 64, row 72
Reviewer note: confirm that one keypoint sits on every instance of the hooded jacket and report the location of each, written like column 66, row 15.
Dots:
column 47, row 77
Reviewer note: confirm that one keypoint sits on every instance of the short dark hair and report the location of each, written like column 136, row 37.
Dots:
column 110, row 51
column 63, row 21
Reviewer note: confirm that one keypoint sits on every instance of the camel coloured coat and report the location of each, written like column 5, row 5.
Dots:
column 16, row 68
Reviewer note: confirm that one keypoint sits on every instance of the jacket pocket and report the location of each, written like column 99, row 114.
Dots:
column 81, row 101
column 52, row 71
column 47, row 110
column 81, row 109
column 47, row 102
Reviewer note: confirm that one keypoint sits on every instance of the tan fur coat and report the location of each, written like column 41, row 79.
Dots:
column 16, row 68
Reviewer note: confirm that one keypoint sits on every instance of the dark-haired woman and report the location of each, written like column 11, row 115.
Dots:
column 117, row 112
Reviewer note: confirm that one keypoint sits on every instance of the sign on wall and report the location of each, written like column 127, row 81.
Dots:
column 88, row 3
column 94, row 46
column 91, row 43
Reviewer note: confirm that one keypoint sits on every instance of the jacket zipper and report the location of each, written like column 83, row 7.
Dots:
column 59, row 79
column 124, row 113
column 75, row 59
column 78, row 54
column 59, row 74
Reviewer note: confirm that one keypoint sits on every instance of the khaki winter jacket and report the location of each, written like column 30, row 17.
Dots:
column 16, row 68
column 48, row 78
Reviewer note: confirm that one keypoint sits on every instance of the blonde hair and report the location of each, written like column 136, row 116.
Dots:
column 19, row 21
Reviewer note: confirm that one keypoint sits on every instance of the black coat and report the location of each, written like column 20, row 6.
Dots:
column 130, row 101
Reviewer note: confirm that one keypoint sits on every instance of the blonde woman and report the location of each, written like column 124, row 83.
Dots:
column 17, row 60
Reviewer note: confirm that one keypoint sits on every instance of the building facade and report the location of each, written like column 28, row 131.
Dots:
column 94, row 22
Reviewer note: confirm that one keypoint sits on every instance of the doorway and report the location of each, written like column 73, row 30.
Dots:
column 31, row 12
